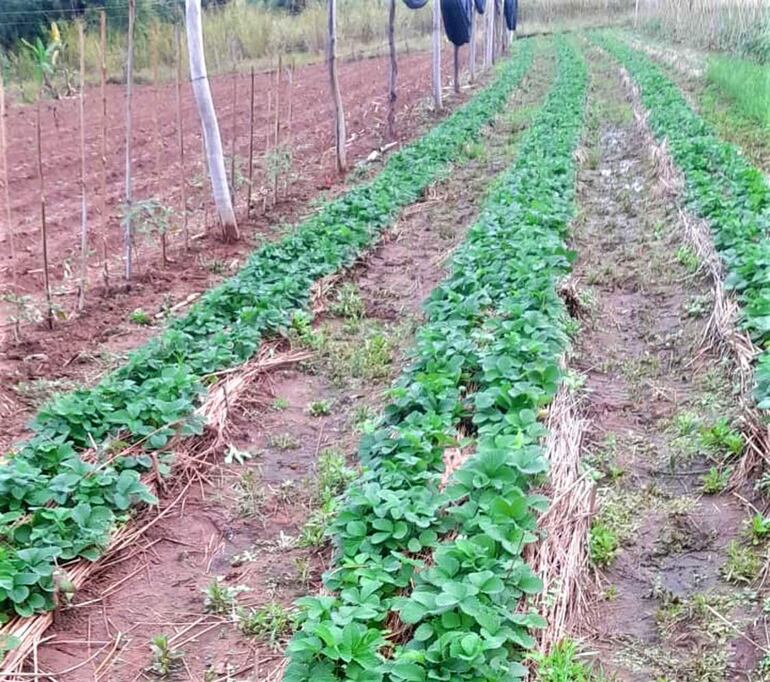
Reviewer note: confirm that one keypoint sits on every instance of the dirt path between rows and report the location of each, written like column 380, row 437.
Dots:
column 678, row 593
column 254, row 524
column 85, row 346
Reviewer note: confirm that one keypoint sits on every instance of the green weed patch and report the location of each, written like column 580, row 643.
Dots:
column 428, row 580
column 55, row 506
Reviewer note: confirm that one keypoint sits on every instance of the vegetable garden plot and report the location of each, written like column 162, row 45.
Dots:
column 721, row 187
column 428, row 580
column 57, row 506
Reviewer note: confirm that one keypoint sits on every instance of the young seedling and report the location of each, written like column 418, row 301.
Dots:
column 742, row 564
column 602, row 544
column 320, row 408
column 280, row 404
column 348, row 303
column 283, row 441
column 220, row 598
column 715, row 481
column 272, row 622
column 140, row 317
column 164, row 658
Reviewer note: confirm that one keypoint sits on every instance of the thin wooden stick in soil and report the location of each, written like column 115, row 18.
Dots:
column 128, row 235
column 43, row 226
column 234, row 131
column 7, row 199
column 83, row 205
column 180, row 136
column 340, row 133
column 159, row 137
column 436, row 56
column 103, row 87
column 251, row 144
column 391, row 131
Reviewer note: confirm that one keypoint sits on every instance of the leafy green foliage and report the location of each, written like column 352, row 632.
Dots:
column 62, row 507
column 723, row 188
column 446, row 562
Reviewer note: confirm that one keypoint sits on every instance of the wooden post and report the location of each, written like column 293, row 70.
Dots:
column 457, row 69
column 234, row 133
column 83, row 205
column 103, row 41
column 212, row 139
column 489, row 34
column 128, row 233
column 7, row 199
column 340, row 132
column 472, row 49
column 159, row 137
column 437, row 103
column 251, row 144
column 391, row 129
column 180, row 137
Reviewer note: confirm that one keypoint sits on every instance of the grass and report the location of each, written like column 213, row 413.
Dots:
column 603, row 544
column 745, row 83
column 742, row 564
column 272, row 622
column 564, row 664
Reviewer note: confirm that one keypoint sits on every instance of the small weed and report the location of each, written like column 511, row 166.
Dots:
column 164, row 658
column 687, row 258
column 219, row 598
column 574, row 381
column 697, row 306
column 363, row 418
column 474, row 150
column 332, row 476
column 320, row 408
column 348, row 303
column 272, row 622
column 304, row 571
column 686, row 423
column 250, row 493
column 283, row 441
column 758, row 529
column 742, row 564
column 602, row 544
column 721, row 437
column 280, row 404
column 563, row 664
column 314, row 530
column 140, row 317
column 716, row 480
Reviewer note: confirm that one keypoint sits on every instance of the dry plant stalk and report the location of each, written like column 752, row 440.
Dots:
column 561, row 557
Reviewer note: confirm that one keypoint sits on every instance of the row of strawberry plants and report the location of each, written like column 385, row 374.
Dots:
column 428, row 580
column 722, row 187
column 54, row 506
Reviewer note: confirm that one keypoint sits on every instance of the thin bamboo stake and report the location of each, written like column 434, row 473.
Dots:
column 392, row 96
column 180, row 136
column 290, row 128
column 159, row 136
column 234, row 133
column 251, row 144
column 278, row 101
column 8, row 217
column 472, row 49
column 83, row 205
column 103, row 43
column 457, row 69
column 340, row 133
column 128, row 234
column 43, row 226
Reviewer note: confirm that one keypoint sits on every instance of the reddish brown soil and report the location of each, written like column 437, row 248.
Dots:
column 160, row 589
column 70, row 351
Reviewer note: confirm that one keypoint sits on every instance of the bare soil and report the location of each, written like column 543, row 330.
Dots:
column 667, row 604
column 256, row 510
column 83, row 346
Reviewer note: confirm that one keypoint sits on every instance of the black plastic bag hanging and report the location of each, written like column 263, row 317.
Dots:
column 457, row 20
column 511, row 12
column 480, row 5
column 415, row 4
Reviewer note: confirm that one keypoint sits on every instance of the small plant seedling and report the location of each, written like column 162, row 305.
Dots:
column 250, row 492
column 280, row 404
column 284, row 441
column 220, row 598
column 272, row 622
column 759, row 529
column 164, row 658
column 348, row 303
column 140, row 317
column 721, row 437
column 332, row 475
column 715, row 481
column 320, row 408
column 742, row 564
column 304, row 571
column 687, row 258
column 602, row 544
column 563, row 664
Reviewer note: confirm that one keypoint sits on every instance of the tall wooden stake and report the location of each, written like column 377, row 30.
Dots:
column 489, row 34
column 340, row 133
column 7, row 199
column 392, row 96
column 159, row 137
column 234, row 133
column 457, row 69
column 180, row 137
column 128, row 233
column 251, row 144
column 43, row 226
column 103, row 41
column 437, row 103
column 83, row 205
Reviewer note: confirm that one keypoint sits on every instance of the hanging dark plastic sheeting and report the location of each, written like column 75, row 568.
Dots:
column 511, row 12
column 457, row 20
column 415, row 4
column 480, row 6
